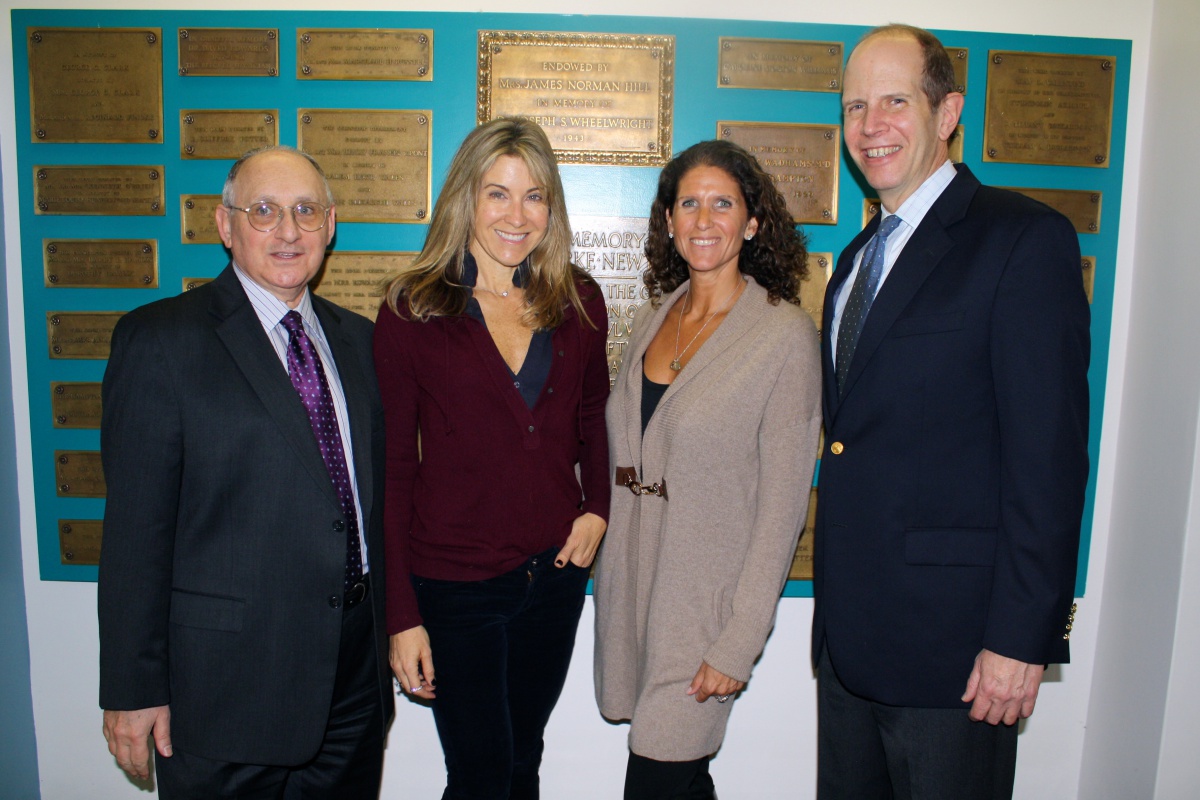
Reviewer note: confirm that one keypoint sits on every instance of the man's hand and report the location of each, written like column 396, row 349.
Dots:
column 128, row 734
column 1002, row 689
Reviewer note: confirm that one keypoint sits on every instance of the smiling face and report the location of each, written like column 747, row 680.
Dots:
column 894, row 136
column 511, row 215
column 709, row 219
column 283, row 260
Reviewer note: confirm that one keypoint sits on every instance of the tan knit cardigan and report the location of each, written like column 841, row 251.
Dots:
column 697, row 576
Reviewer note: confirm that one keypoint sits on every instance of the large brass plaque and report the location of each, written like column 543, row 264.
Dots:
column 602, row 98
column 235, row 52
column 1089, row 276
column 1049, row 108
column 103, row 190
column 1081, row 207
column 79, row 541
column 802, row 561
column 803, row 160
column 812, row 288
column 74, row 404
column 198, row 218
column 226, row 133
column 779, row 64
column 356, row 280
column 376, row 161
column 958, row 60
column 79, row 473
column 80, row 334
column 364, row 54
column 612, row 251
column 95, row 84
column 100, row 263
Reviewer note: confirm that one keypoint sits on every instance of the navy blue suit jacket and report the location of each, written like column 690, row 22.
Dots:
column 224, row 549
column 952, row 480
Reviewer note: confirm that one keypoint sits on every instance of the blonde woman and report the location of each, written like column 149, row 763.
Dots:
column 491, row 348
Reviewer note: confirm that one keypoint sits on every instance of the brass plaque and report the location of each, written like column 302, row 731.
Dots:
column 779, row 64
column 235, row 52
column 812, row 288
column 602, row 98
column 79, row 541
column 1081, row 207
column 198, row 218
column 1049, row 108
column 95, row 84
column 80, row 334
column 871, row 207
column 803, row 160
column 1089, row 276
column 376, row 161
column 74, row 404
column 364, row 54
column 226, row 133
column 79, row 473
column 194, row 283
column 355, row 281
column 802, row 561
column 612, row 251
column 958, row 60
column 100, row 263
column 117, row 191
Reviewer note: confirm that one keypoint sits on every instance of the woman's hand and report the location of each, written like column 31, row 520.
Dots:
column 412, row 661
column 710, row 683
column 584, row 541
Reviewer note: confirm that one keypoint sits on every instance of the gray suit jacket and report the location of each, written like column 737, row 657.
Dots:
column 222, row 563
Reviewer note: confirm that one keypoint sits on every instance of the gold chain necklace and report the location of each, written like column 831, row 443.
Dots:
column 675, row 365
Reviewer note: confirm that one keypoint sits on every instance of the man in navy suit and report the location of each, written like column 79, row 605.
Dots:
column 955, row 354
column 238, row 626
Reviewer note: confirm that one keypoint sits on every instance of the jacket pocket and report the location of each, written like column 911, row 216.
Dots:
column 206, row 611
column 928, row 323
column 950, row 546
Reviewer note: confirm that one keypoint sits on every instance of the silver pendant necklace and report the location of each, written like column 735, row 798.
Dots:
column 675, row 365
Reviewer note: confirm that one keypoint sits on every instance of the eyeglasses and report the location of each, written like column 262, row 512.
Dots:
column 266, row 216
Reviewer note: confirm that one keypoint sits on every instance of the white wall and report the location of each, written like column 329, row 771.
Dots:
column 770, row 751
column 1144, row 696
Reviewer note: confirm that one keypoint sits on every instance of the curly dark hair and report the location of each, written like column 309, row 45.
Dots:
column 776, row 257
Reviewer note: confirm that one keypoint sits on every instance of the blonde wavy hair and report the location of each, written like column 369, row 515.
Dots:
column 432, row 285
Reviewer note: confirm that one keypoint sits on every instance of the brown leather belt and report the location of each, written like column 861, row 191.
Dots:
column 627, row 477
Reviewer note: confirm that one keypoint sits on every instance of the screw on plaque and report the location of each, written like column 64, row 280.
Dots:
column 1106, row 65
column 146, row 279
column 997, row 59
column 182, row 71
column 153, row 134
column 69, row 556
column 991, row 152
column 64, row 488
column 41, row 174
column 60, row 390
column 422, row 39
column 271, row 35
column 306, row 69
column 37, row 37
column 268, row 119
column 61, row 419
column 190, row 234
column 52, row 248
column 422, row 70
column 40, row 133
column 271, row 72
column 420, row 213
column 153, row 175
column 189, row 149
column 826, row 213
column 43, row 205
column 52, row 278
column 189, row 204
column 183, row 34
column 724, row 79
column 306, row 39
column 151, row 38
column 828, row 135
column 1093, row 227
column 421, row 120
column 822, row 262
column 188, row 120
column 726, row 45
column 833, row 51
column 146, row 249
column 63, row 459
column 1099, row 158
column 833, row 84
column 306, row 119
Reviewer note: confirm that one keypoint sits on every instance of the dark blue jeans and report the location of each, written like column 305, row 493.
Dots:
column 501, row 648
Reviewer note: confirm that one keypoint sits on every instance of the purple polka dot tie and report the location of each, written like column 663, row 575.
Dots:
column 862, row 294
column 308, row 376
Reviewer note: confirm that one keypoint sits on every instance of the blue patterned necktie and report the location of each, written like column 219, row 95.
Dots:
column 862, row 294
column 308, row 376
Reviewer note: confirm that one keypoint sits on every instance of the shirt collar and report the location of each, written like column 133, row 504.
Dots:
column 470, row 271
column 914, row 209
column 270, row 309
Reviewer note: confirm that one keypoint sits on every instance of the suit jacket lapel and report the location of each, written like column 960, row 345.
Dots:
column 921, row 255
column 356, row 388
column 239, row 329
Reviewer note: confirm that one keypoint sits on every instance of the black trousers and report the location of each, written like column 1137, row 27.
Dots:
column 872, row 751
column 647, row 779
column 349, row 765
column 501, row 648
